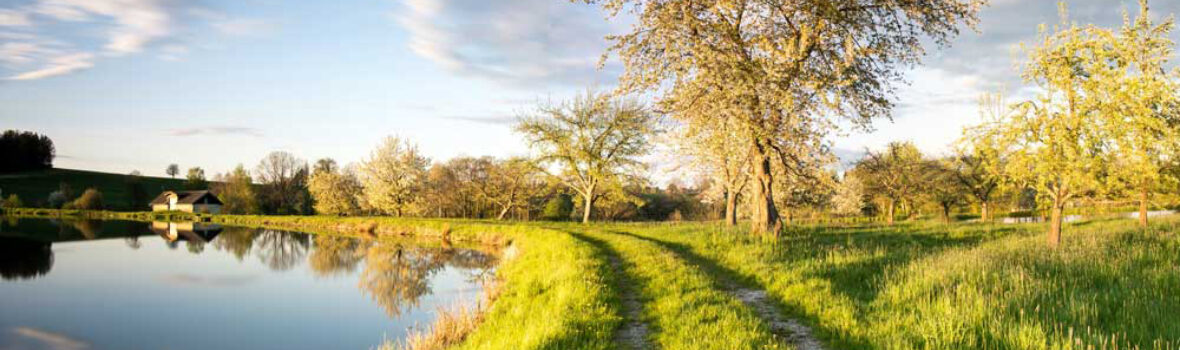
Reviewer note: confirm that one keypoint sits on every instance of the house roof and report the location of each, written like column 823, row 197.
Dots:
column 186, row 197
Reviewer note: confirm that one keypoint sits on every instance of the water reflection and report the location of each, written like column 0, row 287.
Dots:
column 250, row 281
column 24, row 259
column 393, row 274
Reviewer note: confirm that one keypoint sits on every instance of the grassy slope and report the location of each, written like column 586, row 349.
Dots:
column 965, row 286
column 34, row 187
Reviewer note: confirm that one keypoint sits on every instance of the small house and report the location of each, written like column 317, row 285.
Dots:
column 187, row 201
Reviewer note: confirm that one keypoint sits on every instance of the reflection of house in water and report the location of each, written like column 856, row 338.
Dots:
column 197, row 232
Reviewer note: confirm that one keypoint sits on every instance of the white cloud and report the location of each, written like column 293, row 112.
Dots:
column 13, row 18
column 59, row 65
column 518, row 43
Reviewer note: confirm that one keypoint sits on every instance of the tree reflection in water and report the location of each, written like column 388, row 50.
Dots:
column 24, row 259
column 335, row 255
column 280, row 250
column 236, row 240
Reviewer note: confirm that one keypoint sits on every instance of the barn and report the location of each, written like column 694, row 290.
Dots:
column 187, row 201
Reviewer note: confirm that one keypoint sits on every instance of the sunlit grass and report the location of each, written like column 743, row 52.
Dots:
column 965, row 286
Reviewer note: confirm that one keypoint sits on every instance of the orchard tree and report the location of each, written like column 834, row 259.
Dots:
column 894, row 175
column 393, row 176
column 943, row 186
column 594, row 139
column 172, row 170
column 782, row 68
column 236, row 191
column 721, row 154
column 1059, row 143
column 511, row 184
column 1138, row 88
column 979, row 163
column 334, row 192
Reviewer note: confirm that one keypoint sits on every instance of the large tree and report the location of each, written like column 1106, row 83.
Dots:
column 23, row 151
column 511, row 184
column 334, row 192
column 236, row 191
column 783, row 68
column 594, row 139
column 393, row 176
column 284, row 183
column 1058, row 142
column 1138, row 90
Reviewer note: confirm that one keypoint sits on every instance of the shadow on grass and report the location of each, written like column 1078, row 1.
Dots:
column 617, row 282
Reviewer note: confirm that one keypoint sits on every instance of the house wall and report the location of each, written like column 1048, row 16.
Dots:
column 160, row 207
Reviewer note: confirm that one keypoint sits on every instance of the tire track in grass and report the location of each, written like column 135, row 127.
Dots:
column 680, row 303
column 632, row 333
column 794, row 332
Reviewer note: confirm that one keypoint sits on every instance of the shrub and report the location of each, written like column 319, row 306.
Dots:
column 558, row 208
column 90, row 200
column 13, row 201
column 56, row 199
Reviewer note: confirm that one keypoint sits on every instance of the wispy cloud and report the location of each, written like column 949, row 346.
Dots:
column 59, row 65
column 13, row 18
column 51, row 340
column 519, row 43
column 217, row 130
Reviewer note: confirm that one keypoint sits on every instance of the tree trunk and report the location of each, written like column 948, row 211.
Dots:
column 1143, row 206
column 503, row 212
column 1055, row 218
column 889, row 212
column 983, row 211
column 587, row 203
column 946, row 213
column 764, row 216
column 731, row 208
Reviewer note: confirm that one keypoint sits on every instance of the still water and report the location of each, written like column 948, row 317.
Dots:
column 130, row 285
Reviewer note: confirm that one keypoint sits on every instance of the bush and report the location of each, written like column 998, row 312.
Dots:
column 56, row 200
column 13, row 201
column 90, row 200
column 558, row 208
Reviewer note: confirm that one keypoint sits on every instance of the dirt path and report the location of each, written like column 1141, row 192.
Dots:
column 633, row 333
column 791, row 330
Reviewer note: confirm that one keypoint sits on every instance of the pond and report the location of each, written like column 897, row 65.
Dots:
column 90, row 284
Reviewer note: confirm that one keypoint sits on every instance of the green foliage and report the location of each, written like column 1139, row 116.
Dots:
column 236, row 191
column 91, row 199
column 25, row 151
column 195, row 180
column 13, row 201
column 595, row 139
column 558, row 208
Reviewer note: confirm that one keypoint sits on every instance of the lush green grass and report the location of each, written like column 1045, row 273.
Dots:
column 964, row 286
column 34, row 187
column 682, row 305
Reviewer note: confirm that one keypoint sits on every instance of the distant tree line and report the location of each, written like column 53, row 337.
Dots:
column 25, row 151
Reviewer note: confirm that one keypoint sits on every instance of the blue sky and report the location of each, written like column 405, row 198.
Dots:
column 124, row 85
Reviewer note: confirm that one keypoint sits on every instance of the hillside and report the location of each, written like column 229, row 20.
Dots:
column 34, row 187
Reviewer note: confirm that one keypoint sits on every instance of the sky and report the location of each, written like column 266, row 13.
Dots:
column 123, row 85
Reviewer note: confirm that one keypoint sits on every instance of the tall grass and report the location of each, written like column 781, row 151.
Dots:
column 927, row 285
